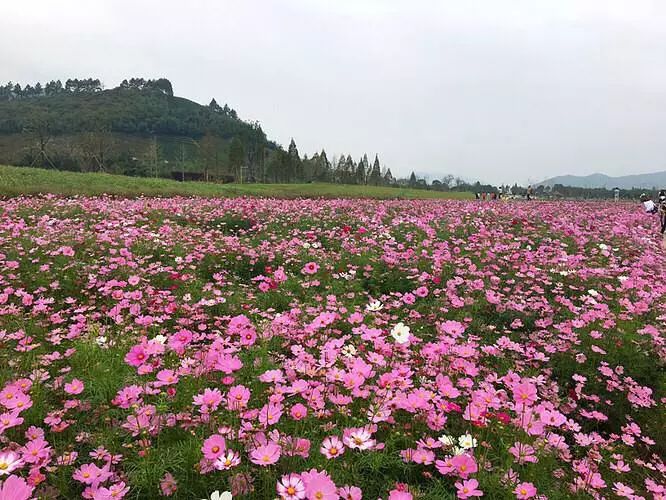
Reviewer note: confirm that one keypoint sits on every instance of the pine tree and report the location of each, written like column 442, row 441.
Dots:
column 375, row 177
column 294, row 170
column 412, row 179
column 361, row 170
column 388, row 177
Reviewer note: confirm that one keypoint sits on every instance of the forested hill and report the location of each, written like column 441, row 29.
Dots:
column 139, row 128
column 137, row 106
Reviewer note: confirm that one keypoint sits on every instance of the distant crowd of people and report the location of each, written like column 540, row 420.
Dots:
column 503, row 193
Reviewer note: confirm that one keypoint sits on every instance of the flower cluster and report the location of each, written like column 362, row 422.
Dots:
column 330, row 349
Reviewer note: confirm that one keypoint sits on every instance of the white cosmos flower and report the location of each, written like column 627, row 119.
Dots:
column 603, row 246
column 466, row 441
column 349, row 351
column 101, row 341
column 400, row 333
column 374, row 306
column 447, row 440
column 159, row 339
column 216, row 495
column 623, row 278
column 458, row 451
column 593, row 292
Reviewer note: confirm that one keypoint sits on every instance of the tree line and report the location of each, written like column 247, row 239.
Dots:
column 11, row 91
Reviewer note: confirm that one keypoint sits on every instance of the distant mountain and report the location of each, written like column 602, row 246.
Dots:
column 642, row 181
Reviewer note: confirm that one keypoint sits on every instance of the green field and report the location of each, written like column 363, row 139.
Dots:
column 15, row 181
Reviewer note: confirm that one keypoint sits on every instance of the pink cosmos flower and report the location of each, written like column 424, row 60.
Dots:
column 214, row 447
column 359, row 439
column 318, row 485
column 136, row 356
column 209, row 400
column 166, row 377
column 525, row 490
column 238, row 397
column 298, row 411
column 400, row 495
column 525, row 394
column 350, row 493
column 265, row 455
column 523, row 453
column 464, row 465
column 92, row 475
column 468, row 489
column 35, row 451
column 270, row 414
column 168, row 485
column 622, row 490
column 310, row 268
column 15, row 488
column 291, row 487
column 20, row 402
column 113, row 492
column 332, row 447
column 227, row 460
column 74, row 387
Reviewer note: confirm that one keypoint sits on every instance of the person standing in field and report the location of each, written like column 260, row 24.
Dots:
column 661, row 210
column 530, row 192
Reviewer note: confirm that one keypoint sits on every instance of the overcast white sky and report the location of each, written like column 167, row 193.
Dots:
column 495, row 90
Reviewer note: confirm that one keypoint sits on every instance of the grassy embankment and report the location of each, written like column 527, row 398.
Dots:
column 15, row 181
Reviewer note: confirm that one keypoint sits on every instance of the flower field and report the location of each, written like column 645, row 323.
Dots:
column 324, row 349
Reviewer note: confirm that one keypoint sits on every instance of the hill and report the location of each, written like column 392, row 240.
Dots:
column 17, row 181
column 139, row 127
column 641, row 181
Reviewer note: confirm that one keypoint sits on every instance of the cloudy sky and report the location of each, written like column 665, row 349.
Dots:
column 497, row 90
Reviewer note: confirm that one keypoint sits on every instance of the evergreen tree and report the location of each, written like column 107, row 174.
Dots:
column 375, row 177
column 362, row 170
column 412, row 179
column 388, row 177
column 294, row 170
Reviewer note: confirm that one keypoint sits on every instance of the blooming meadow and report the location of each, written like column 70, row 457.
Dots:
column 258, row 348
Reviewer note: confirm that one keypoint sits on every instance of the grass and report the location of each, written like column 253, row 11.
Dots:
column 16, row 181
